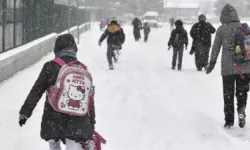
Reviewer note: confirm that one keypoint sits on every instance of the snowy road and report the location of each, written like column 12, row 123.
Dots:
column 142, row 105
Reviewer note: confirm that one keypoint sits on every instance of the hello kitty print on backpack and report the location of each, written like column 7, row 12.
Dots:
column 72, row 91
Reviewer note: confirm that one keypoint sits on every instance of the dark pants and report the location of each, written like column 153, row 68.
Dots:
column 242, row 87
column 145, row 37
column 201, row 56
column 177, row 52
column 110, row 54
column 137, row 34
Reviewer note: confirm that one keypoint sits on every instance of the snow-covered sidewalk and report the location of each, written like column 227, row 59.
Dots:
column 141, row 105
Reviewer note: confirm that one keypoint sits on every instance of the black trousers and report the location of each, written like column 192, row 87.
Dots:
column 137, row 34
column 110, row 54
column 201, row 56
column 177, row 52
column 235, row 84
column 145, row 37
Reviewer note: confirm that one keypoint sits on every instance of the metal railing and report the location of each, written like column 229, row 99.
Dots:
column 22, row 21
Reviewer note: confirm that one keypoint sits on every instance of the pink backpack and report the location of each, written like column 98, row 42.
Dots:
column 72, row 91
column 98, row 140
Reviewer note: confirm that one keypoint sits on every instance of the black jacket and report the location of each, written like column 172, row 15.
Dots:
column 137, row 23
column 146, row 29
column 201, row 33
column 178, row 37
column 57, row 125
column 115, row 35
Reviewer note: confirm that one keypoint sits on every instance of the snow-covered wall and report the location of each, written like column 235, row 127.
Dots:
column 24, row 56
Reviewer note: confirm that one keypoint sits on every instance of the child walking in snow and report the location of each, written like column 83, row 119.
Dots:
column 177, row 40
column 60, row 122
column 147, row 30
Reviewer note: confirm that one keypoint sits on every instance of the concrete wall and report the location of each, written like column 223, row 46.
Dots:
column 24, row 56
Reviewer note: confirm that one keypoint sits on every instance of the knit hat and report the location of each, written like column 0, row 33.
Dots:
column 178, row 23
column 202, row 17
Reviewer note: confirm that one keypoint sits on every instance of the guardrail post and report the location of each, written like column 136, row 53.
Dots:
column 14, row 25
column 3, row 24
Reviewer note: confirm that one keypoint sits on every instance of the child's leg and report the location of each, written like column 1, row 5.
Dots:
column 72, row 145
column 180, row 57
column 110, row 54
column 174, row 58
column 54, row 145
column 146, row 38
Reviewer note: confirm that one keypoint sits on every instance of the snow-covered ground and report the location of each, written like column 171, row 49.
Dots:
column 141, row 105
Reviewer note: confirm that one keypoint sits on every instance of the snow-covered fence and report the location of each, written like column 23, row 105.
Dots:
column 82, row 28
column 24, row 56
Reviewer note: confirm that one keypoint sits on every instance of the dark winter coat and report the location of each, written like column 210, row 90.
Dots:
column 201, row 33
column 137, row 23
column 225, row 38
column 115, row 35
column 178, row 37
column 146, row 29
column 57, row 125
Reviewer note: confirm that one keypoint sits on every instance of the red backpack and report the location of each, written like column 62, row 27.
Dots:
column 242, row 48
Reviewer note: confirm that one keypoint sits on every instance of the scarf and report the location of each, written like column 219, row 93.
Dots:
column 66, row 53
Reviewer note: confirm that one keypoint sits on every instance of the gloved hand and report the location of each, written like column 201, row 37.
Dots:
column 210, row 67
column 186, row 47
column 169, row 47
column 99, row 43
column 22, row 120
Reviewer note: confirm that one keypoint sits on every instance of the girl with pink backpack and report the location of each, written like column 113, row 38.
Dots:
column 69, row 112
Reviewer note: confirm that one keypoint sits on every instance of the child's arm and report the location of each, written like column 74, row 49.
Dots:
column 104, row 36
column 186, row 39
column 171, row 39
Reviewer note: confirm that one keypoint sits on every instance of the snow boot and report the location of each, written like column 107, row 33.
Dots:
column 228, row 125
column 111, row 67
column 242, row 121
column 242, row 117
column 199, row 69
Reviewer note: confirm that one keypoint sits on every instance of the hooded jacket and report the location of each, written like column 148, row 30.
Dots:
column 178, row 36
column 56, row 125
column 201, row 32
column 225, row 38
column 115, row 35
column 146, row 29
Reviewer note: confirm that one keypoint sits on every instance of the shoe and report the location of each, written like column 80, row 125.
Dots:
column 90, row 145
column 242, row 120
column 199, row 69
column 242, row 116
column 111, row 67
column 179, row 68
column 173, row 68
column 228, row 125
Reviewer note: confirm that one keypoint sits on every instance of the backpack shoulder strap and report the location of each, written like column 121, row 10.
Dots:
column 78, row 62
column 59, row 61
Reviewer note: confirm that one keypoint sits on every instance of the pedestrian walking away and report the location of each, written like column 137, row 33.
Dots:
column 147, row 30
column 235, row 74
column 201, row 34
column 115, row 38
column 178, row 39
